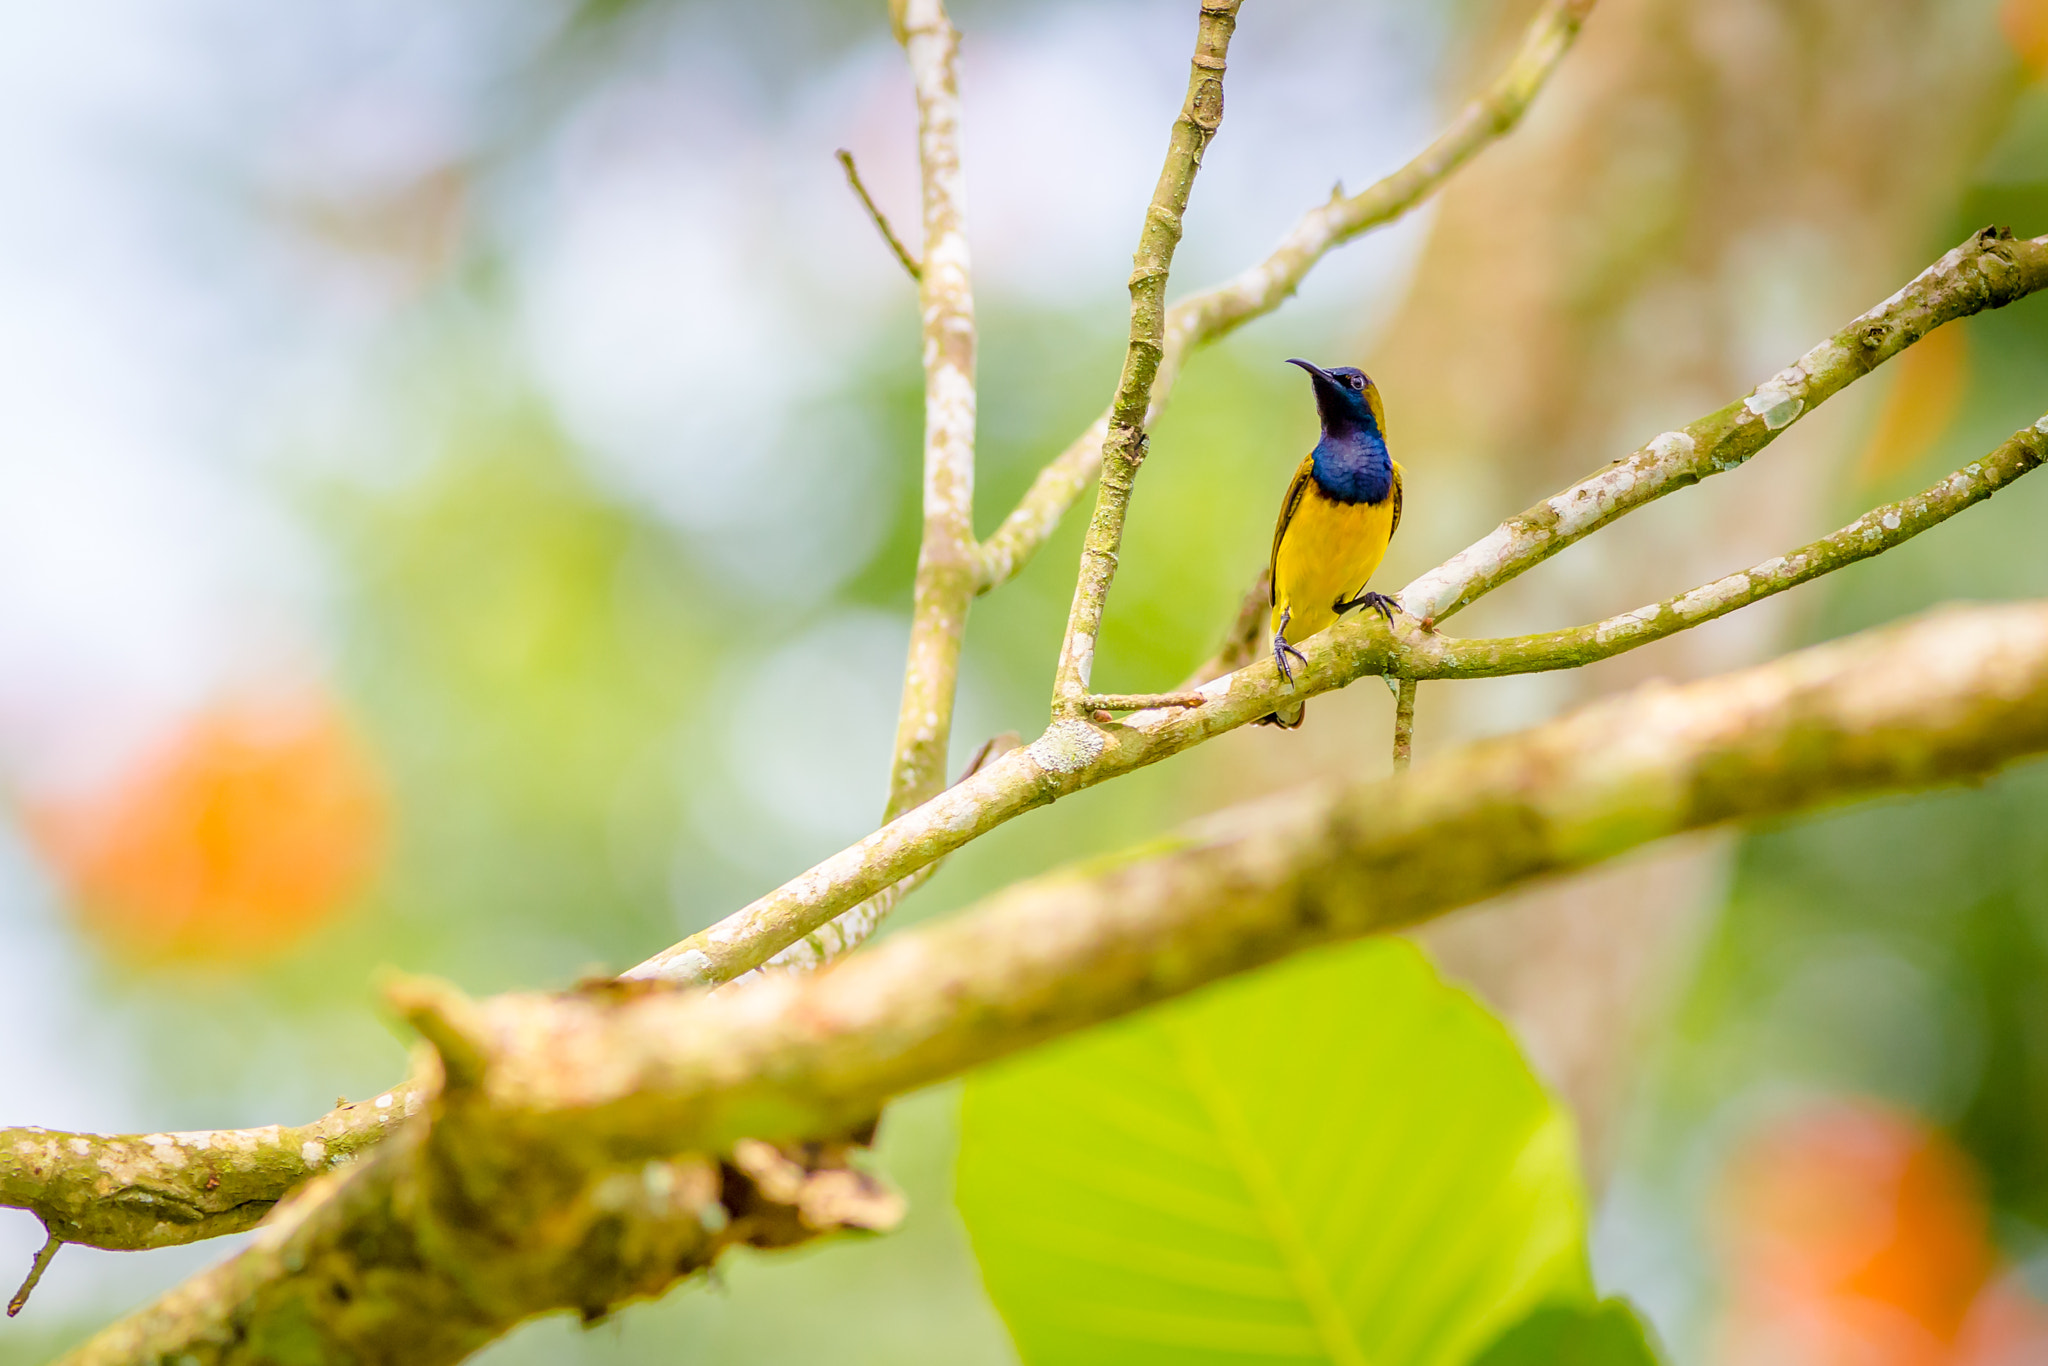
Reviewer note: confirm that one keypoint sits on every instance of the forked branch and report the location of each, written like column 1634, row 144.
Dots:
column 556, row 1178
column 1216, row 312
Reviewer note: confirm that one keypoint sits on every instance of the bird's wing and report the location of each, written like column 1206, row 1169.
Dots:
column 1397, row 501
column 1295, row 490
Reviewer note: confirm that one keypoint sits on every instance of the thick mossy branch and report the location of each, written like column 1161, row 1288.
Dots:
column 1123, row 445
column 534, row 1190
column 1202, row 318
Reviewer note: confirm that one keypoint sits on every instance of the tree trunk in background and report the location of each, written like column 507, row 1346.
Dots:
column 1706, row 190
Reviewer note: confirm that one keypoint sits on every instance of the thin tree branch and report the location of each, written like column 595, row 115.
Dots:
column 35, row 1274
column 1404, row 724
column 946, row 558
column 1123, row 447
column 1873, row 533
column 1202, row 318
column 517, row 1191
column 875, row 216
column 1986, row 272
column 850, row 930
column 132, row 1191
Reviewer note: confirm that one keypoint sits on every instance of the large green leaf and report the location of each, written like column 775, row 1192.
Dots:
column 1605, row 1334
column 1340, row 1159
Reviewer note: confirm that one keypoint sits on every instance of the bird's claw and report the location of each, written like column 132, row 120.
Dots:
column 1378, row 602
column 1281, row 649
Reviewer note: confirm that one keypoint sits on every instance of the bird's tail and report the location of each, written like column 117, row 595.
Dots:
column 1287, row 716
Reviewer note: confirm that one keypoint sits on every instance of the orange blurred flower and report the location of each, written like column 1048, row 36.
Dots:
column 253, row 825
column 2025, row 23
column 1856, row 1236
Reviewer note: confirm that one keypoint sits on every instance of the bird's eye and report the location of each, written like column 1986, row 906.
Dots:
column 1358, row 383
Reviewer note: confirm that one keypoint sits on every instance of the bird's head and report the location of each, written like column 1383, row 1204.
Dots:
column 1347, row 400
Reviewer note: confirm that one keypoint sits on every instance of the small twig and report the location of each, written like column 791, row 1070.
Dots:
column 35, row 1274
column 1404, row 724
column 1140, row 701
column 910, row 263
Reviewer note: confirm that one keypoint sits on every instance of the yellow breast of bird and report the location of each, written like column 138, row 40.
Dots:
column 1328, row 552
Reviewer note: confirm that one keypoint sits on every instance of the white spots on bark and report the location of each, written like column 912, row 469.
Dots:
column 1068, row 746
column 1672, row 446
column 313, row 1152
column 1710, row 597
column 1628, row 623
column 1429, row 595
column 383, row 1102
column 1590, row 502
column 1084, row 657
column 1780, row 399
column 81, row 1147
column 1891, row 521
column 693, row 963
column 949, row 445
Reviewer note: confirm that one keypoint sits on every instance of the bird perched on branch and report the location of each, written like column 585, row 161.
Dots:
column 1339, row 514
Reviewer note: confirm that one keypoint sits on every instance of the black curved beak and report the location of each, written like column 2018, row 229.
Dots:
column 1316, row 371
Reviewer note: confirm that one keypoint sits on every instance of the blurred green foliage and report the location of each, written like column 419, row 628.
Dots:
column 1898, row 949
column 1338, row 1159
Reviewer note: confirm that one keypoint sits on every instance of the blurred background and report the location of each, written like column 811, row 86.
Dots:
column 458, row 505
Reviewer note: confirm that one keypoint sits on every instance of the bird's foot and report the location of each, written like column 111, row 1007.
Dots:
column 1281, row 649
column 1378, row 602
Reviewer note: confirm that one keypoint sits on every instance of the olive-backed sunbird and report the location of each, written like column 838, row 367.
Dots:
column 1339, row 514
